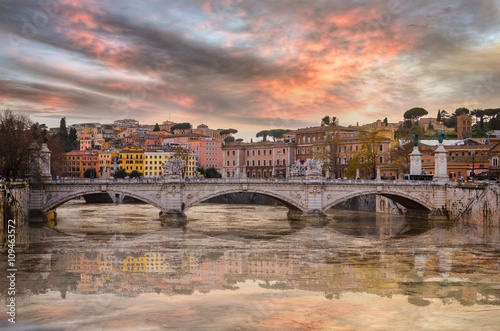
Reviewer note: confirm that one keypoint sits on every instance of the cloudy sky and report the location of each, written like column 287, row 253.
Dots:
column 249, row 65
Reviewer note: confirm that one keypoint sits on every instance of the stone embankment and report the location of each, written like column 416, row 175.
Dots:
column 483, row 208
column 14, row 200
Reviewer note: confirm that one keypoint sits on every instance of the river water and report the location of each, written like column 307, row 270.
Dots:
column 246, row 267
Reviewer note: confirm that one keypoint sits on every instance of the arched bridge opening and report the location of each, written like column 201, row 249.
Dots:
column 53, row 202
column 367, row 201
column 252, row 197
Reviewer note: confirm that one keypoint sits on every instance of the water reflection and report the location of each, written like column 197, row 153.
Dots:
column 364, row 224
column 250, row 268
column 463, row 275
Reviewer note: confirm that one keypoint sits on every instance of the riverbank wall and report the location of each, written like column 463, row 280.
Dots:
column 483, row 208
column 14, row 201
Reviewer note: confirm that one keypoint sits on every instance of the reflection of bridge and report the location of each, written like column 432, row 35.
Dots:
column 302, row 196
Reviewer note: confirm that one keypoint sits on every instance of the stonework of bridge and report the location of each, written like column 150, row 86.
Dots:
column 303, row 197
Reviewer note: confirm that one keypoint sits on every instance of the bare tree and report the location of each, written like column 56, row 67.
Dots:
column 16, row 135
column 331, row 153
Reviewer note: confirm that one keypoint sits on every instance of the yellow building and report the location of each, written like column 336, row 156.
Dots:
column 132, row 159
column 154, row 160
column 106, row 166
column 149, row 262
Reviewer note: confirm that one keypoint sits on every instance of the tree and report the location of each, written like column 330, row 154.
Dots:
column 438, row 117
column 367, row 158
column 415, row 113
column 416, row 129
column 329, row 121
column 325, row 121
column 263, row 134
column 16, row 135
column 120, row 173
column 461, row 111
column 90, row 173
column 156, row 128
column 239, row 139
column 386, row 122
column 72, row 135
column 479, row 113
column 181, row 127
column 135, row 174
column 228, row 132
column 400, row 156
column 331, row 154
column 63, row 130
column 430, row 127
column 212, row 173
column 229, row 139
column 278, row 134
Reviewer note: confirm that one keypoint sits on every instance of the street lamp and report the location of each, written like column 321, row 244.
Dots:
column 472, row 173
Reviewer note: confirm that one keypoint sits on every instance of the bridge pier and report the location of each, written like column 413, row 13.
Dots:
column 172, row 217
column 310, row 215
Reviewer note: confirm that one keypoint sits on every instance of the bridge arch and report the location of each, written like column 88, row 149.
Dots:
column 409, row 201
column 62, row 198
column 284, row 200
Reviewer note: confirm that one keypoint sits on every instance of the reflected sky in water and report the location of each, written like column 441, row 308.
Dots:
column 248, row 267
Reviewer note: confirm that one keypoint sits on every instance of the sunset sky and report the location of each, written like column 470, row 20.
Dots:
column 250, row 65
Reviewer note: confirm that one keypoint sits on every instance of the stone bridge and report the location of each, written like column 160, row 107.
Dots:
column 303, row 197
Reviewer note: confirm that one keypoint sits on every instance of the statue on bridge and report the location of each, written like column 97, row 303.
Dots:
column 441, row 136
column 173, row 166
column 415, row 139
column 297, row 169
column 314, row 167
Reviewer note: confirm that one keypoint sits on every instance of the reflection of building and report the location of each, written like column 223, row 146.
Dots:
column 384, row 274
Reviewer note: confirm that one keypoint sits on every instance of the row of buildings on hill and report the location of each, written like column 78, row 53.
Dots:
column 134, row 147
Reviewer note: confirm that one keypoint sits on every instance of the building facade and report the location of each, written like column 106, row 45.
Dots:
column 75, row 163
column 258, row 160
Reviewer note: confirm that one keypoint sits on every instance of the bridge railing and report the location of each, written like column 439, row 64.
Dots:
column 296, row 180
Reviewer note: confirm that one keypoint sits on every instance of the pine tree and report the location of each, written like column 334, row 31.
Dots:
column 156, row 128
column 63, row 130
column 439, row 115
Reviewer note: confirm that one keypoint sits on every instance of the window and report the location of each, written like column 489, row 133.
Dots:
column 264, row 151
column 494, row 162
column 253, row 162
column 228, row 153
column 258, row 152
column 248, row 153
column 284, row 151
column 234, row 163
column 228, row 163
column 258, row 163
column 381, row 159
column 264, row 162
column 253, row 153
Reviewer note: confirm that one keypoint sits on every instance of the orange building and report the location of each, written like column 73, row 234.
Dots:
column 75, row 163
